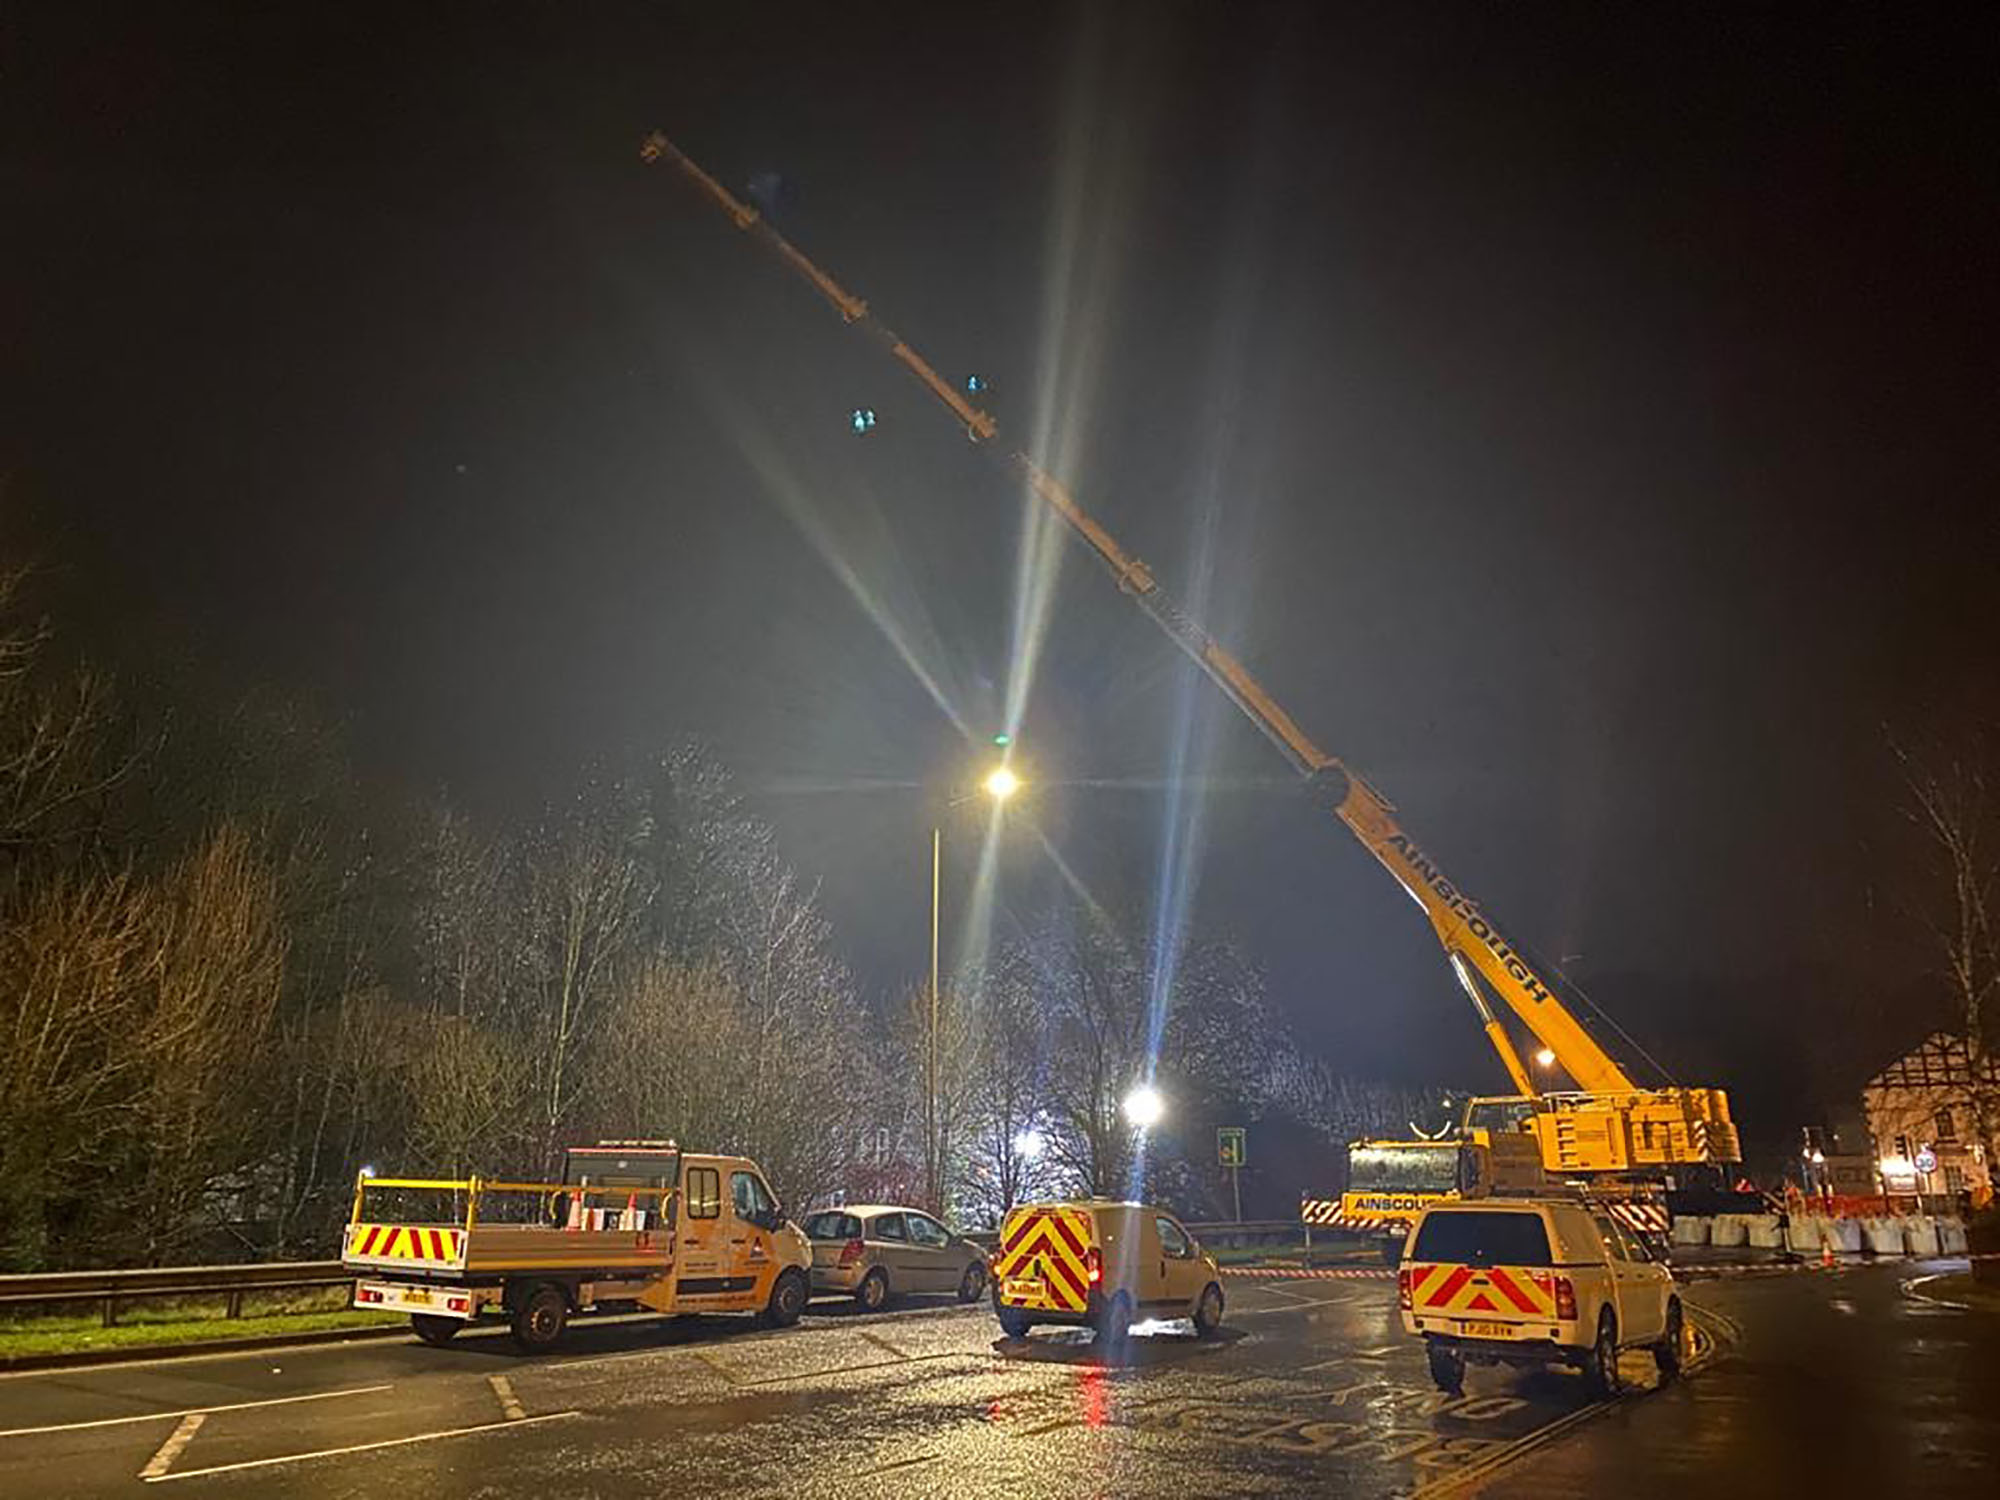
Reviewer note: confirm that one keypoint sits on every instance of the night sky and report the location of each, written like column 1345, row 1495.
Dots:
column 1583, row 418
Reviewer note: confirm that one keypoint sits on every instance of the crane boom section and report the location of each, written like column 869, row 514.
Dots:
column 1457, row 920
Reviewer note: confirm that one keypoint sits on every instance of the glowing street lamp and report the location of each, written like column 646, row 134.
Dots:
column 1546, row 1058
column 1030, row 1144
column 1001, row 784
column 1144, row 1106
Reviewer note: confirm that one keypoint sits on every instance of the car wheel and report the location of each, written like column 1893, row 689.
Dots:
column 1015, row 1324
column 973, row 1283
column 433, row 1330
column 873, row 1293
column 788, row 1300
column 540, row 1318
column 1208, row 1311
column 1114, row 1322
column 1447, row 1369
column 1600, row 1371
column 1667, row 1353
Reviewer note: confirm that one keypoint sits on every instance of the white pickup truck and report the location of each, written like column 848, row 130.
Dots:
column 1535, row 1282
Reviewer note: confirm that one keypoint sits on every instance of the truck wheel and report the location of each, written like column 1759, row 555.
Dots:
column 1114, row 1323
column 788, row 1300
column 972, row 1283
column 1447, row 1369
column 1667, row 1353
column 1600, row 1370
column 1015, row 1324
column 873, row 1293
column 1208, row 1311
column 539, row 1320
column 434, row 1330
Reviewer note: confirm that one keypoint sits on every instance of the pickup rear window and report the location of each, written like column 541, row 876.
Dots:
column 1475, row 1238
column 833, row 1227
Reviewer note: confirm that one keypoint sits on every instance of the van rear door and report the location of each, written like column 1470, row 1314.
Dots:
column 1483, row 1274
column 1043, row 1263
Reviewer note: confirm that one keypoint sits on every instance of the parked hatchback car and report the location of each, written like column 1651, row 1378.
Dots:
column 878, row 1251
column 1101, row 1265
column 1535, row 1282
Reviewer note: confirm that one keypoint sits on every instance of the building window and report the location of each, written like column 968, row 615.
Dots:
column 1954, row 1179
column 1947, row 1129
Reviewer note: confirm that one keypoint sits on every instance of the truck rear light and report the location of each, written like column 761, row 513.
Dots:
column 1093, row 1264
column 367, row 1294
column 1403, row 1290
column 1565, row 1298
column 456, row 1304
column 851, row 1252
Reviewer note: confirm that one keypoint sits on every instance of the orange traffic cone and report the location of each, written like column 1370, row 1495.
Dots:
column 1826, row 1255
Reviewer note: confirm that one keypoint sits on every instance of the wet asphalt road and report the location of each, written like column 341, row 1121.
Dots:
column 1312, row 1390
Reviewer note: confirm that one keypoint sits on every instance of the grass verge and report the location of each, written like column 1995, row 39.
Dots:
column 157, row 1323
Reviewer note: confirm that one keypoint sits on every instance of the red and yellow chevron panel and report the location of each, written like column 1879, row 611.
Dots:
column 1492, row 1289
column 1042, row 1260
column 411, row 1242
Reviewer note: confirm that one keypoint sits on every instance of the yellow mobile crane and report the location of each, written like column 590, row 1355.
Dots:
column 1608, row 1124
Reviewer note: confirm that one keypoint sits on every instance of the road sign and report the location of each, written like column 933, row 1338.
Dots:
column 1926, row 1160
column 1229, row 1147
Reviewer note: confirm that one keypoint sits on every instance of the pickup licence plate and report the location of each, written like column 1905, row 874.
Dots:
column 1021, row 1287
column 1489, row 1330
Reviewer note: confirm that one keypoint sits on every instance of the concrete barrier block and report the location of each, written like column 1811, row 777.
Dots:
column 1691, row 1229
column 1762, row 1232
column 1951, row 1237
column 1803, row 1235
column 1920, row 1237
column 1843, row 1234
column 1728, row 1231
column 1883, row 1236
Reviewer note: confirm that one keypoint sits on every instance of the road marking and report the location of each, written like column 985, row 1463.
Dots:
column 883, row 1344
column 171, row 1448
column 715, row 1364
column 503, row 1390
column 880, row 1364
column 299, row 1458
column 189, row 1411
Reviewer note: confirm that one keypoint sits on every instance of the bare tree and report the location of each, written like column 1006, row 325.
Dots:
column 1949, row 802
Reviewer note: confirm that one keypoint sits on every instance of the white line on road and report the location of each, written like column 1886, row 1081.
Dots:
column 421, row 1437
column 171, row 1448
column 510, row 1406
column 188, row 1411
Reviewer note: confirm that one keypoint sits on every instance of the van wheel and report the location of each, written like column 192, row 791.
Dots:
column 788, row 1300
column 1667, row 1353
column 1015, row 1324
column 1208, row 1311
column 540, row 1318
column 873, row 1293
column 1600, row 1370
column 1447, row 1369
column 1114, row 1322
column 433, row 1330
column 972, row 1283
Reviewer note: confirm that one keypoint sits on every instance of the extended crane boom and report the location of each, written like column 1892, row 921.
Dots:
column 1614, row 1123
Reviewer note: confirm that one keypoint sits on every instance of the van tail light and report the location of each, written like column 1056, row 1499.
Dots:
column 851, row 1252
column 1093, row 1264
column 1565, row 1298
column 1403, row 1290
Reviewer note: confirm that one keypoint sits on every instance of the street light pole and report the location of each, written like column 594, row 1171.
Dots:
column 933, row 1167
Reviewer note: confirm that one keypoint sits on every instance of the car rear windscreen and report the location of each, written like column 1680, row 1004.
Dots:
column 833, row 1227
column 1474, row 1238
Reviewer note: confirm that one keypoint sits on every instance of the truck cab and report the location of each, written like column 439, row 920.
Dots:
column 632, row 1225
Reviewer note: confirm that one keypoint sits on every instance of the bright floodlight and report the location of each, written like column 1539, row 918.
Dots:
column 1546, row 1057
column 1144, row 1106
column 1001, row 784
column 1029, row 1144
